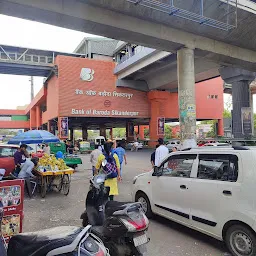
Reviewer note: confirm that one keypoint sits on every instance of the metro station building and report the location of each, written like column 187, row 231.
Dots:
column 86, row 91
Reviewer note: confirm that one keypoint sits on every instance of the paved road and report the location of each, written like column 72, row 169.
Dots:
column 167, row 237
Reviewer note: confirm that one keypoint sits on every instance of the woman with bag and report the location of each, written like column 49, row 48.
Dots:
column 108, row 163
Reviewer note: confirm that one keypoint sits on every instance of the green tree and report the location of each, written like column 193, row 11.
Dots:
column 146, row 133
column 168, row 131
column 226, row 113
column 119, row 132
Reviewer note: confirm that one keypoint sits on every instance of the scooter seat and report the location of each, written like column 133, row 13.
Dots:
column 112, row 206
column 41, row 242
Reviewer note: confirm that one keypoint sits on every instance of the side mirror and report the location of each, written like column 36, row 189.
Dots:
column 157, row 171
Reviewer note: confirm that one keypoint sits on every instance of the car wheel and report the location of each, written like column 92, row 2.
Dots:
column 143, row 199
column 241, row 241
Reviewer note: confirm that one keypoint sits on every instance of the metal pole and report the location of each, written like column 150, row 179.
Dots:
column 32, row 87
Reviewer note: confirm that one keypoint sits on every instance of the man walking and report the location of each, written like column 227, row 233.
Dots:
column 120, row 151
column 161, row 152
column 94, row 157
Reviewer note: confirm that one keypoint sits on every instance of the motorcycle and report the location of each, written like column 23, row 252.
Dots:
column 68, row 241
column 121, row 226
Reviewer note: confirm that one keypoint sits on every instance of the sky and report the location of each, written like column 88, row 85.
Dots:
column 15, row 90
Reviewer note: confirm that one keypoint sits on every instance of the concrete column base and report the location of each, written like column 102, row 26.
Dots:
column 103, row 131
column 84, row 133
column 241, row 96
column 220, row 131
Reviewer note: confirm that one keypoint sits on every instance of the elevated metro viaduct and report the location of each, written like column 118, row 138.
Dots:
column 218, row 31
column 95, row 102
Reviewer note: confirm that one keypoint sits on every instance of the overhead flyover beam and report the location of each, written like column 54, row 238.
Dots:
column 87, row 17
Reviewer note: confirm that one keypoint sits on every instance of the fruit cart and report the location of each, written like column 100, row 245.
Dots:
column 53, row 174
column 47, row 181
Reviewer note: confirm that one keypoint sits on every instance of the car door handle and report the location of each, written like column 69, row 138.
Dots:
column 183, row 186
column 227, row 193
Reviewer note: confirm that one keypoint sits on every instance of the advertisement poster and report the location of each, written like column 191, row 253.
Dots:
column 63, row 127
column 12, row 196
column 246, row 114
column 160, row 126
column 130, row 129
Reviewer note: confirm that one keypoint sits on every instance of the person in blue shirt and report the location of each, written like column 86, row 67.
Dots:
column 120, row 151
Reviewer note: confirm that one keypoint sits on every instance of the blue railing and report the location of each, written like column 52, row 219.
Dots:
column 169, row 6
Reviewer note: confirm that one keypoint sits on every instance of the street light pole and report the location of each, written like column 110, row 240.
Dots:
column 32, row 87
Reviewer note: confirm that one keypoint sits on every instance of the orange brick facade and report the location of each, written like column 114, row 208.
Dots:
column 102, row 85
column 69, row 96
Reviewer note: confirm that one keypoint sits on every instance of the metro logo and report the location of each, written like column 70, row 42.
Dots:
column 87, row 74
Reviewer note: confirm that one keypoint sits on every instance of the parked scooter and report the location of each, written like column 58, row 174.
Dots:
column 121, row 226
column 68, row 241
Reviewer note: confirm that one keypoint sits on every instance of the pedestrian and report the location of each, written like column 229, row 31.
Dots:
column 66, row 145
column 70, row 148
column 153, row 156
column 47, row 149
column 108, row 163
column 174, row 149
column 161, row 152
column 120, row 151
column 94, row 157
column 23, row 163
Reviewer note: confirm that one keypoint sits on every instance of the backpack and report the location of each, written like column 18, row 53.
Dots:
column 110, row 169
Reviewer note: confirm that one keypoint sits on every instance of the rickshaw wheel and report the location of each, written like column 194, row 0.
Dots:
column 44, row 187
column 65, row 184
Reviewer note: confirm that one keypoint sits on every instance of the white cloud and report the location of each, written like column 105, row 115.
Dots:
column 15, row 90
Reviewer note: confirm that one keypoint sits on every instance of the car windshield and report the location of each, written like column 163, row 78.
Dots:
column 7, row 151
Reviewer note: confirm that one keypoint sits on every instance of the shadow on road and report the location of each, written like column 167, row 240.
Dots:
column 190, row 232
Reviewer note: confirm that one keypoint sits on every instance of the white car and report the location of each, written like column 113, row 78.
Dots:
column 212, row 190
column 217, row 144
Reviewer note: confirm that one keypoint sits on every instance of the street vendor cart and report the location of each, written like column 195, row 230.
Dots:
column 58, row 180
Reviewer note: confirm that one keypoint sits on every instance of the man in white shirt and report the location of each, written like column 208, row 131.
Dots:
column 94, row 157
column 161, row 152
column 47, row 149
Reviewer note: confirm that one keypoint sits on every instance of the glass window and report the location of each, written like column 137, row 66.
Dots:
column 218, row 167
column 5, row 152
column 178, row 166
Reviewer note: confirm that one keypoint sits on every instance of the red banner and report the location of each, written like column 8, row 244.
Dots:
column 12, row 197
column 63, row 127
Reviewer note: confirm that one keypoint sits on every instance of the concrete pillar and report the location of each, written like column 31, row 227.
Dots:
column 241, row 96
column 186, row 94
column 84, row 133
column 32, row 119
column 111, row 133
column 141, row 132
column 157, row 109
column 103, row 131
column 220, row 131
column 129, row 131
column 38, row 117
column 71, row 134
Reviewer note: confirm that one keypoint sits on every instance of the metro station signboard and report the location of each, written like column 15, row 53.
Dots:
column 89, row 89
column 160, row 126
